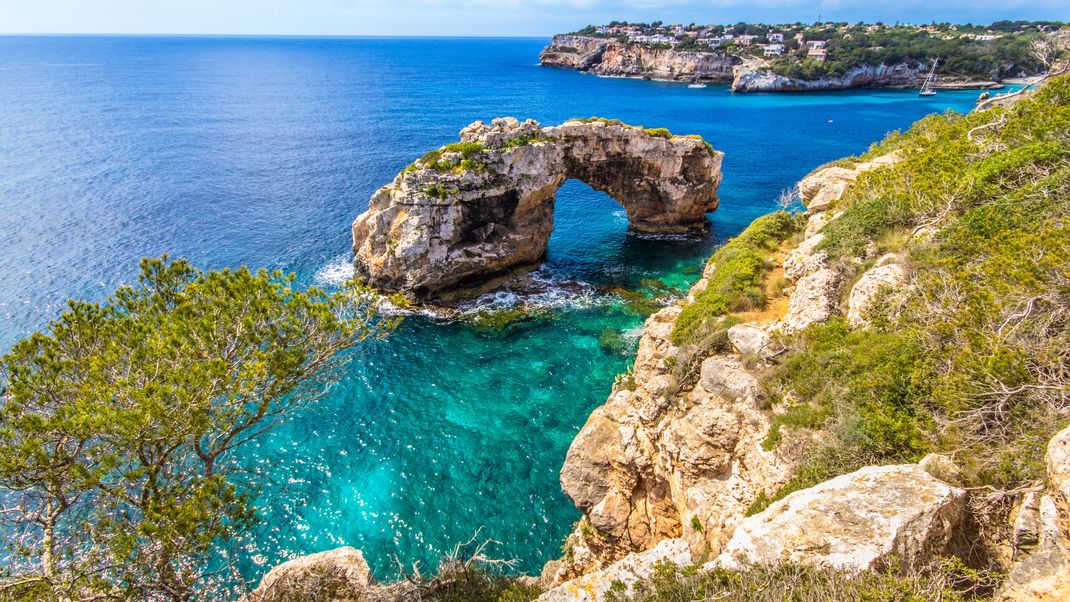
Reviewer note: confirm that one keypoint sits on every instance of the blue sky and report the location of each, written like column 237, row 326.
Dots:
column 475, row 17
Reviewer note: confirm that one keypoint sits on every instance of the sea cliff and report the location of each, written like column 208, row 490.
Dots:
column 612, row 58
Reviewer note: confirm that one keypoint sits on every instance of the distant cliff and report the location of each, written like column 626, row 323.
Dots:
column 612, row 58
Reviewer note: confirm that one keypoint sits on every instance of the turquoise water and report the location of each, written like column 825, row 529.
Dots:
column 262, row 151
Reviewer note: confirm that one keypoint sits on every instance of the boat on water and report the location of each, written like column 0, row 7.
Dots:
column 696, row 85
column 927, row 88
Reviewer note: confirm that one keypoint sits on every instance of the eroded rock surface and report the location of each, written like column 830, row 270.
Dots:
column 857, row 521
column 483, row 208
column 629, row 570
column 343, row 572
column 881, row 286
column 608, row 57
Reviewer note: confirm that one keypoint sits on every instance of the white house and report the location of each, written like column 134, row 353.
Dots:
column 775, row 37
column 773, row 49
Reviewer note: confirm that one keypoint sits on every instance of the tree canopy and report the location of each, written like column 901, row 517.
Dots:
column 119, row 423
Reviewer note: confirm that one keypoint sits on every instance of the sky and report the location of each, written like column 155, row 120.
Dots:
column 476, row 17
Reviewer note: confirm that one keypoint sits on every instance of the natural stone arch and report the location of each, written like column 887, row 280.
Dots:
column 480, row 209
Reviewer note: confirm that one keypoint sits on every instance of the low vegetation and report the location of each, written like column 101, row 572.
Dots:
column 736, row 279
column 670, row 583
column 977, row 365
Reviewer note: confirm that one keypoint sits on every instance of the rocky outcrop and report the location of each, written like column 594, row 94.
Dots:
column 483, row 208
column 857, row 521
column 1042, row 570
column 822, row 188
column 627, row 571
column 611, row 58
column 342, row 572
column 880, row 286
column 753, row 77
column 673, row 457
column 1058, row 463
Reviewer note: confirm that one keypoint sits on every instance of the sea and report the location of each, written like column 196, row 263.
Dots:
column 261, row 151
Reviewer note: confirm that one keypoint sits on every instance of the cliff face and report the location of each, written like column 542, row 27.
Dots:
column 751, row 77
column 479, row 209
column 669, row 456
column 610, row 58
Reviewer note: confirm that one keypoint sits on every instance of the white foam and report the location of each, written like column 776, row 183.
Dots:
column 335, row 273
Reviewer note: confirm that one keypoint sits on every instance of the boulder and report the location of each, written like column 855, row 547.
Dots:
column 632, row 568
column 816, row 298
column 1043, row 575
column 342, row 572
column 874, row 284
column 805, row 259
column 726, row 376
column 854, row 522
column 466, row 215
column 748, row 339
column 1058, row 461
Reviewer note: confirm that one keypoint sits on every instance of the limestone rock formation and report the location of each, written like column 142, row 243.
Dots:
column 748, row 339
column 821, row 189
column 857, row 521
column 883, row 282
column 669, row 459
column 1042, row 573
column 608, row 57
column 627, row 571
column 341, row 571
column 752, row 76
column 470, row 212
column 1058, row 462
column 815, row 300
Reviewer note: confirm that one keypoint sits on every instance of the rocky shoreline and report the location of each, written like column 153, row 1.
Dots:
column 610, row 58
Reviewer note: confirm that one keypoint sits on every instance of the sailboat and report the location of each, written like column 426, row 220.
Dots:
column 927, row 87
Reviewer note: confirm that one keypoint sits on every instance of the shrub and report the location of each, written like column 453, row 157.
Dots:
column 658, row 132
column 736, row 276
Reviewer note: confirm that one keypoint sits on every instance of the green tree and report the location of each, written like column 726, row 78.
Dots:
column 119, row 424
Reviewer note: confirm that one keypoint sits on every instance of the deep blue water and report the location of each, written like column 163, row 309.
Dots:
column 262, row 151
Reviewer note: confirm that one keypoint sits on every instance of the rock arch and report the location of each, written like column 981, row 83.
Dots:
column 476, row 210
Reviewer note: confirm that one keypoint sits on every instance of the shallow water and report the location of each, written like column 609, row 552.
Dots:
column 262, row 151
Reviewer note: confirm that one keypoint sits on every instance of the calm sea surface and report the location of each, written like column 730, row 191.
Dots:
column 261, row 151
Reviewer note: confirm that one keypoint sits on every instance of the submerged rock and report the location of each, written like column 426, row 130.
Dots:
column 483, row 208
column 854, row 522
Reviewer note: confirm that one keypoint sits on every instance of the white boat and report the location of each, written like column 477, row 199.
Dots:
column 696, row 85
column 927, row 87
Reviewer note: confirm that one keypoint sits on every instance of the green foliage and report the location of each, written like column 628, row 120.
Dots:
column 119, row 423
column 563, row 49
column 737, row 272
column 525, row 139
column 960, row 55
column 437, row 191
column 658, row 133
column 976, row 366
